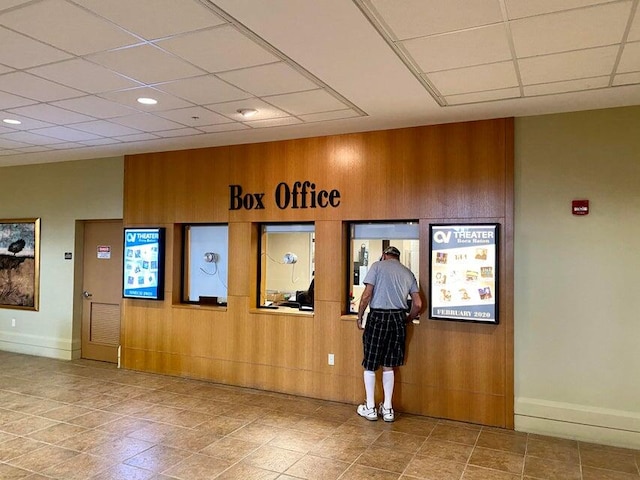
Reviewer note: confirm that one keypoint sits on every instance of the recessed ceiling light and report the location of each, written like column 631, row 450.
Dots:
column 147, row 101
column 247, row 112
column 11, row 121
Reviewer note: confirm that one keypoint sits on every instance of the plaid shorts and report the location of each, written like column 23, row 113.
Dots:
column 384, row 339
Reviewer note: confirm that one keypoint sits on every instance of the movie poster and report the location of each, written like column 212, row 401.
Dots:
column 463, row 275
column 143, row 253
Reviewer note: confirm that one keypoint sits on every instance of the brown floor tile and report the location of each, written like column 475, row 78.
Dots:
column 18, row 446
column 310, row 467
column 7, row 472
column 551, row 469
column 296, row 440
column 501, row 441
column 360, row 472
column 432, row 468
column 124, row 472
column 456, row 452
column 591, row 473
column 242, row 471
column 565, row 451
column 339, row 447
column 198, row 467
column 497, row 460
column 158, row 459
column 385, row 459
column 80, row 467
column 405, row 442
column 57, row 433
column 479, row 473
column 43, row 458
column 454, row 433
column 272, row 458
column 609, row 459
column 231, row 449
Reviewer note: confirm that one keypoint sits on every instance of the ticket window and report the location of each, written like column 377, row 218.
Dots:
column 205, row 264
column 367, row 241
column 287, row 266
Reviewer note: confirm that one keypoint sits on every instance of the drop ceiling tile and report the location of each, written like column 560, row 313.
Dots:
column 527, row 8
column 326, row 116
column 301, row 103
column 147, row 122
column 96, row 107
column 30, row 86
column 626, row 79
column 218, row 49
column 194, row 116
column 100, row 141
column 568, row 86
column 32, row 138
column 6, row 142
column 33, row 149
column 4, row 69
column 203, row 90
column 52, row 114
column 65, row 146
column 129, row 98
column 10, row 101
column 230, row 109
column 274, row 122
column 630, row 60
column 494, row 76
column 488, row 96
column 578, row 29
column 460, row 49
column 146, row 63
column 65, row 133
column 223, row 127
column 634, row 32
column 5, row 129
column 23, row 52
column 104, row 128
column 27, row 123
column 417, row 18
column 270, row 79
column 568, row 66
column 67, row 27
column 6, row 4
column 153, row 19
column 140, row 137
column 182, row 132
column 85, row 76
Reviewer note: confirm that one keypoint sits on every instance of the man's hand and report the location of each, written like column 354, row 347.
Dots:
column 359, row 322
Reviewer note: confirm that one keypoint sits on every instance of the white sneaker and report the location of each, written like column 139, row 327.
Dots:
column 368, row 413
column 387, row 414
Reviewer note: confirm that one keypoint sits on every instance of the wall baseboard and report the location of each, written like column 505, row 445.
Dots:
column 58, row 348
column 617, row 428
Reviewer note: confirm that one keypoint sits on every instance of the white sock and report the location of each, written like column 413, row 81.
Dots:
column 370, row 387
column 388, row 379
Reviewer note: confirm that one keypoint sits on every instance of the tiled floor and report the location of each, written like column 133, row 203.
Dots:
column 88, row 420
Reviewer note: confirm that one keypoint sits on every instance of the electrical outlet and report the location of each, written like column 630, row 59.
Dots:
column 13, row 322
column 331, row 359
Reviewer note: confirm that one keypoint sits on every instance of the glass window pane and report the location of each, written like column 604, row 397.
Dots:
column 206, row 260
column 367, row 243
column 287, row 266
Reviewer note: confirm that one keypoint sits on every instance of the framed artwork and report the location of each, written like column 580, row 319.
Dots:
column 143, row 275
column 20, row 263
column 463, row 273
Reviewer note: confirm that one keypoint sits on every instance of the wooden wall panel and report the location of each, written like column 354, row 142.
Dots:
column 435, row 174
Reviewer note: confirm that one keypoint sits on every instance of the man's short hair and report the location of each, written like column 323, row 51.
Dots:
column 393, row 251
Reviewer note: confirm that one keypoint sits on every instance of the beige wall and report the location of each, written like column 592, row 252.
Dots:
column 59, row 194
column 577, row 321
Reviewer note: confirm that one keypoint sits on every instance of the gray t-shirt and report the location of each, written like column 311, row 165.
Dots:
column 392, row 283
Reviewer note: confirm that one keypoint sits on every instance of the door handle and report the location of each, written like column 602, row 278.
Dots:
column 86, row 294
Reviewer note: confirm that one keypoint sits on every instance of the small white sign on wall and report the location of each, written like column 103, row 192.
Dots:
column 104, row 251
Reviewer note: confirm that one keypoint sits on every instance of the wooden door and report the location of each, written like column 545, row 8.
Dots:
column 102, row 290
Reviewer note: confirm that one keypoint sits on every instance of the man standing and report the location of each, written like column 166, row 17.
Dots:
column 388, row 284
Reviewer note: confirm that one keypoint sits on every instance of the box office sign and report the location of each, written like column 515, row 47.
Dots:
column 463, row 272
column 298, row 195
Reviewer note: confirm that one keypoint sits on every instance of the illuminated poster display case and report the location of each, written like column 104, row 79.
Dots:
column 143, row 265
column 463, row 274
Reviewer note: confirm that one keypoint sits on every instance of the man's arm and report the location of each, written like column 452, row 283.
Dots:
column 416, row 306
column 364, row 303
